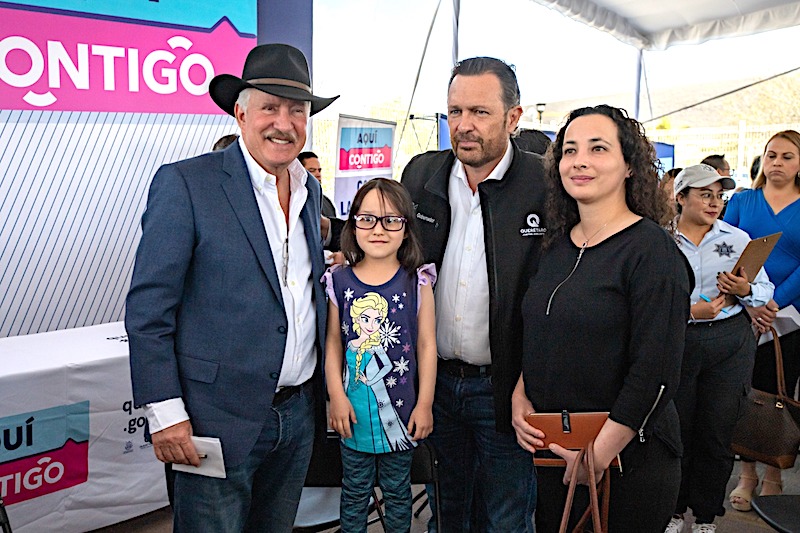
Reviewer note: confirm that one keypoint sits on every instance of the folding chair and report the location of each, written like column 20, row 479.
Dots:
column 324, row 471
column 424, row 471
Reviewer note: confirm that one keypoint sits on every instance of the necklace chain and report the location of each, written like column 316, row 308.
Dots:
column 586, row 242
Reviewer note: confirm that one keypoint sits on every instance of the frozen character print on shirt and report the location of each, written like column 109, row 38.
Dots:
column 370, row 374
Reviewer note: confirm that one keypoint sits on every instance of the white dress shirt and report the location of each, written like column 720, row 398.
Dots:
column 462, row 292
column 718, row 252
column 293, row 265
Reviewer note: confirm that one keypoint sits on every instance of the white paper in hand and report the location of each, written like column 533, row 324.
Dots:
column 786, row 321
column 212, row 465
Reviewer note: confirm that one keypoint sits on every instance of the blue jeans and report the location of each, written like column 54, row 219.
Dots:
column 487, row 481
column 263, row 492
column 358, row 479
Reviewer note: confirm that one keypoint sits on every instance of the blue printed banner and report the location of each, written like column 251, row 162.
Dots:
column 36, row 432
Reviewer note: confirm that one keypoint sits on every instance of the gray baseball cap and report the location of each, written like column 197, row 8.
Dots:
column 701, row 175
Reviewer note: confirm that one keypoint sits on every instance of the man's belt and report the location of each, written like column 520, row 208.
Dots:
column 460, row 369
column 284, row 393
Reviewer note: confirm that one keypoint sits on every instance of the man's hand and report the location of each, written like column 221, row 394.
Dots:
column 528, row 436
column 337, row 258
column 174, row 445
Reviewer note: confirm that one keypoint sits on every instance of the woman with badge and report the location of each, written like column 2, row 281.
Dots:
column 720, row 347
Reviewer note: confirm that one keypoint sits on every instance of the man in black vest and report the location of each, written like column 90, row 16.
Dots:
column 479, row 209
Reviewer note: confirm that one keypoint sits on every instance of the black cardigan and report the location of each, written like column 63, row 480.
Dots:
column 613, row 339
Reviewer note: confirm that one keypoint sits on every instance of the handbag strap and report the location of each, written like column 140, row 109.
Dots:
column 573, row 484
column 779, row 365
column 598, row 514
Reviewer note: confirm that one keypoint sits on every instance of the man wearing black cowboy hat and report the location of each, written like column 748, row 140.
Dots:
column 225, row 314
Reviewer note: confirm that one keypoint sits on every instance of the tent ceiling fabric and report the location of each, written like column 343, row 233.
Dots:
column 659, row 24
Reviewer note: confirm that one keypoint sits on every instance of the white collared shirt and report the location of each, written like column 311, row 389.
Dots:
column 462, row 292
column 718, row 252
column 299, row 356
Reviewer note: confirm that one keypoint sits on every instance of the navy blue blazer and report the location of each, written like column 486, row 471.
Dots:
column 204, row 314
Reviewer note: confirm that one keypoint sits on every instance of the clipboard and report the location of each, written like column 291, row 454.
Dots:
column 755, row 255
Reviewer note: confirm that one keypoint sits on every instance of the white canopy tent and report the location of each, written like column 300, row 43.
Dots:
column 659, row 24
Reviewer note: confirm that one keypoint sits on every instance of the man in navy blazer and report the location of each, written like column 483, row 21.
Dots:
column 226, row 311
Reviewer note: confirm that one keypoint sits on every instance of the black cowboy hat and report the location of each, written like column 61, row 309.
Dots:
column 277, row 69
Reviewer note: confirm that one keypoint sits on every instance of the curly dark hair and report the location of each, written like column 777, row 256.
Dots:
column 642, row 193
column 391, row 192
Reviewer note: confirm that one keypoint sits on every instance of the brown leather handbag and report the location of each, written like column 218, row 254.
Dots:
column 769, row 428
column 569, row 430
column 577, row 431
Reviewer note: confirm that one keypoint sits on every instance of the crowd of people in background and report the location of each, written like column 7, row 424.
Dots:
column 503, row 277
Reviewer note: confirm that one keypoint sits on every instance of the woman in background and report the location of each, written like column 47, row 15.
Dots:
column 666, row 185
column 769, row 207
column 720, row 347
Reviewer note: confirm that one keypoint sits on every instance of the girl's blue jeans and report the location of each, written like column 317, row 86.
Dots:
column 393, row 473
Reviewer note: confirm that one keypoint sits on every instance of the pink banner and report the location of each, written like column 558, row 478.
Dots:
column 365, row 158
column 61, row 62
column 36, row 475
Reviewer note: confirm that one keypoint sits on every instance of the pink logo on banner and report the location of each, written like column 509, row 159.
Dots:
column 69, row 63
column 36, row 475
column 365, row 158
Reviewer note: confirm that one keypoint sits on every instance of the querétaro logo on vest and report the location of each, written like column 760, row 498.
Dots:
column 533, row 229
column 43, row 451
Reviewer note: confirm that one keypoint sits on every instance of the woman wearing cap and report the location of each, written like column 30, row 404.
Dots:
column 720, row 347
column 772, row 205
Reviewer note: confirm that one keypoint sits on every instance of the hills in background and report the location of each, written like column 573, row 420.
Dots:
column 776, row 101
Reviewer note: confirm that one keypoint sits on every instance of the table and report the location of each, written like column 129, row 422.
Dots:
column 72, row 449
column 781, row 512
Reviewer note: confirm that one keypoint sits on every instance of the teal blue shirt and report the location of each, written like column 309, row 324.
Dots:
column 749, row 210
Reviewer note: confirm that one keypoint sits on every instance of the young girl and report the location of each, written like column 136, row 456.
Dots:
column 380, row 352
column 720, row 347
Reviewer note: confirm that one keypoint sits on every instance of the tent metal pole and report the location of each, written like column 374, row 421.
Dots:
column 419, row 71
column 638, row 92
column 456, row 15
